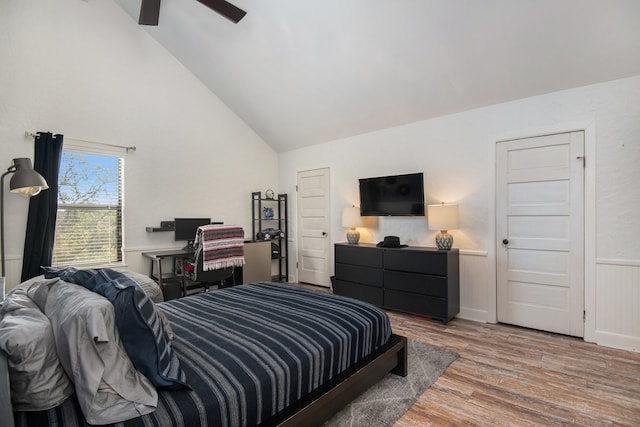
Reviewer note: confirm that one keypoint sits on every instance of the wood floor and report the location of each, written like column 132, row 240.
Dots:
column 511, row 376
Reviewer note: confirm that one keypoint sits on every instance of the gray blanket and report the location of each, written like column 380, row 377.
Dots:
column 107, row 385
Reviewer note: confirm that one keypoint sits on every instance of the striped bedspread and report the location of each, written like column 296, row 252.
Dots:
column 250, row 351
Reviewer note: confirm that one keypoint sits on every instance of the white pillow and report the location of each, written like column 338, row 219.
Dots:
column 38, row 381
column 148, row 285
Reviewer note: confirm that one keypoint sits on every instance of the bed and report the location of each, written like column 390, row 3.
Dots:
column 258, row 354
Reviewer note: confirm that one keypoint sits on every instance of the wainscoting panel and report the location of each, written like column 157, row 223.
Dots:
column 473, row 285
column 13, row 271
column 618, row 304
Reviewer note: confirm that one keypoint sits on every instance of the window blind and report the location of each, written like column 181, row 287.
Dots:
column 89, row 218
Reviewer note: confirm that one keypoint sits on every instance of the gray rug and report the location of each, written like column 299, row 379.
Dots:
column 384, row 403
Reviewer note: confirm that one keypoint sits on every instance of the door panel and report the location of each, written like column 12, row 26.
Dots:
column 538, row 266
column 313, row 227
column 540, row 226
column 524, row 292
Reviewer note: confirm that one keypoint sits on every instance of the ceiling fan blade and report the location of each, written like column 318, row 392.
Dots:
column 149, row 12
column 224, row 8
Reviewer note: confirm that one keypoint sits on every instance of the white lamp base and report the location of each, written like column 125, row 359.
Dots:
column 353, row 236
column 444, row 240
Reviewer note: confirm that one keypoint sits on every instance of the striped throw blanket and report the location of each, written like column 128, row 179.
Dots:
column 222, row 246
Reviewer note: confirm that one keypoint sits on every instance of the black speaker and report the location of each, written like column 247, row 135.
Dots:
column 275, row 251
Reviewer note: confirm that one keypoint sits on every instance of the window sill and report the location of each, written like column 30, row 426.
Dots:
column 114, row 265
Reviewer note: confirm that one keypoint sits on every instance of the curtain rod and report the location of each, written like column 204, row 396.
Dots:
column 132, row 148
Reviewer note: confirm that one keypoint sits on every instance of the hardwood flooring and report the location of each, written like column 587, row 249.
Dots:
column 511, row 376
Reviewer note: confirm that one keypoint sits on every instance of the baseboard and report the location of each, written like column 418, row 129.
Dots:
column 473, row 314
column 621, row 342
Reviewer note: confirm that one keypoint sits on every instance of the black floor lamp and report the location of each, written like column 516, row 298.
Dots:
column 25, row 181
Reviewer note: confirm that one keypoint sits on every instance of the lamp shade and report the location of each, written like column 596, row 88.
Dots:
column 351, row 217
column 25, row 180
column 442, row 217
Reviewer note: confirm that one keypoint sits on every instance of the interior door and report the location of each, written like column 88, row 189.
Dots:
column 313, row 227
column 540, row 232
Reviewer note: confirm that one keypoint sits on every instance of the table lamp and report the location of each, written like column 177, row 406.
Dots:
column 351, row 219
column 25, row 181
column 443, row 217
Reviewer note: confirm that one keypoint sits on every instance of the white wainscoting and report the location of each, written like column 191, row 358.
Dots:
column 136, row 262
column 13, row 271
column 617, row 296
column 473, row 285
column 618, row 304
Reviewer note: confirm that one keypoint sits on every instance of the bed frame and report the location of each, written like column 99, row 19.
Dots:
column 312, row 410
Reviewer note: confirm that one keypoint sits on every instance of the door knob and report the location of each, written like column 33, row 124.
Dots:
column 505, row 241
column 324, row 233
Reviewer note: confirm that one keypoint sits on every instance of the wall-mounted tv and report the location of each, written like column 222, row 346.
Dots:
column 401, row 195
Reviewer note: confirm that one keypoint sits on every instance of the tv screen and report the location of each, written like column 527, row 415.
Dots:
column 186, row 228
column 392, row 195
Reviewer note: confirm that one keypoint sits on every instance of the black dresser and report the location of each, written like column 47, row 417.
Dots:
column 424, row 281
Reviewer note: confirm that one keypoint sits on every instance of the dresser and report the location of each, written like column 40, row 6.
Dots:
column 417, row 280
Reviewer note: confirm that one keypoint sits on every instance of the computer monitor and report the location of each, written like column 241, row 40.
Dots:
column 186, row 228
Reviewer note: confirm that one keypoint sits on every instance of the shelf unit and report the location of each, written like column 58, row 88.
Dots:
column 260, row 223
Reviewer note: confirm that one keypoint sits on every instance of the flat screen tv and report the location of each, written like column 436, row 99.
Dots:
column 186, row 228
column 396, row 195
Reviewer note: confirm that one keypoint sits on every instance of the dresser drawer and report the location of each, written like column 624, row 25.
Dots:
column 359, row 274
column 417, row 283
column 413, row 279
column 359, row 255
column 426, row 262
column 365, row 293
column 420, row 304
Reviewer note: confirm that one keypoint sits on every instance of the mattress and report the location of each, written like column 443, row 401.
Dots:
column 249, row 352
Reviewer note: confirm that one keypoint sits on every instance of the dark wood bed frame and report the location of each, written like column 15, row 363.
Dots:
column 312, row 410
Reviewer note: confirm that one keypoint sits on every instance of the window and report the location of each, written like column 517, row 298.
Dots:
column 89, row 222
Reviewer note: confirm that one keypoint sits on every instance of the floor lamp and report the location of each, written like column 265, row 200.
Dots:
column 25, row 181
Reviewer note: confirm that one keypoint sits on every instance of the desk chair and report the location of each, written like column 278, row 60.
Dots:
column 200, row 279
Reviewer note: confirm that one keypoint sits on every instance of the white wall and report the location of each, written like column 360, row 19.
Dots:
column 88, row 71
column 456, row 154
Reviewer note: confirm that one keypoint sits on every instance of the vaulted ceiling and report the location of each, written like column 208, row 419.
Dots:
column 302, row 72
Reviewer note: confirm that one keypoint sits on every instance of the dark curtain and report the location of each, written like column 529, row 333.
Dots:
column 43, row 208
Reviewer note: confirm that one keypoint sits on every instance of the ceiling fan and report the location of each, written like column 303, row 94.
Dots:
column 150, row 11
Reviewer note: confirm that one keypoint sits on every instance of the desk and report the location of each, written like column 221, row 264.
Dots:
column 170, row 282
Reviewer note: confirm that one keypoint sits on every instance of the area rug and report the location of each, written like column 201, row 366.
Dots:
column 385, row 402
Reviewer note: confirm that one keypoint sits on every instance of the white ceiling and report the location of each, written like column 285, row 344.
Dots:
column 302, row 72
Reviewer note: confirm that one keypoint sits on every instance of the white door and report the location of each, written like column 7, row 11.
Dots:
column 313, row 227
column 540, row 232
